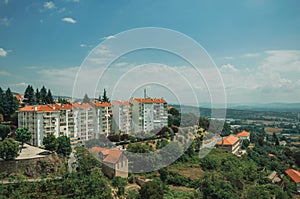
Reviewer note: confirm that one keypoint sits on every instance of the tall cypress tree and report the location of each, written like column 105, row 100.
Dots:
column 10, row 104
column 43, row 95
column 29, row 95
column 37, row 96
column 105, row 98
column 49, row 98
column 1, row 101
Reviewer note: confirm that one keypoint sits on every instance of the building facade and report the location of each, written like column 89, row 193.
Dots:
column 103, row 116
column 122, row 117
column 148, row 114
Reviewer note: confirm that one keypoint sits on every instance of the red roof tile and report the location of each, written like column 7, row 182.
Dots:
column 110, row 155
column 294, row 175
column 121, row 103
column 103, row 104
column 38, row 108
column 243, row 134
column 230, row 140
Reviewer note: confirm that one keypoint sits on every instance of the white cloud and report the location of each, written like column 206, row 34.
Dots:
column 5, row 21
column 22, row 84
column 3, row 53
column 61, row 10
column 228, row 67
column 109, row 37
column 252, row 54
column 5, row 1
column 228, row 58
column 4, row 73
column 49, row 5
column 120, row 64
column 83, row 45
column 69, row 20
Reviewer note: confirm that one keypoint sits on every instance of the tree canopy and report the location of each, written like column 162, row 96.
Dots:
column 9, row 149
column 4, row 131
column 23, row 135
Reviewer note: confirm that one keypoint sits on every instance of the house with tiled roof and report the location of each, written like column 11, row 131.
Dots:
column 229, row 143
column 122, row 117
column 243, row 135
column 149, row 114
column 114, row 162
column 295, row 177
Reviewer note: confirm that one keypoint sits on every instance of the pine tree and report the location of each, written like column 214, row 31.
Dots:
column 105, row 98
column 49, row 98
column 1, row 101
column 29, row 95
column 10, row 104
column 43, row 95
column 37, row 96
column 86, row 99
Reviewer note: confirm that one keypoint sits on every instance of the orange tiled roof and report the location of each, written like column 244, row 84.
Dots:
column 243, row 134
column 110, row 155
column 81, row 106
column 19, row 96
column 120, row 103
column 230, row 140
column 294, row 175
column 104, row 104
column 38, row 108
column 149, row 100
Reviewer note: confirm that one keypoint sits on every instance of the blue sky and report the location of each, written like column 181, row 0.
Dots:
column 254, row 43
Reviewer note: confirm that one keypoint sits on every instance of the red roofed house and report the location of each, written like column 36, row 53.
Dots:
column 122, row 114
column 295, row 176
column 230, row 143
column 243, row 135
column 115, row 163
column 149, row 114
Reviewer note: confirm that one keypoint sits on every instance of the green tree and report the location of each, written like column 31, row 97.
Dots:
column 86, row 99
column 163, row 172
column 29, row 95
column 1, row 101
column 85, row 161
column 120, row 184
column 104, row 97
column 173, row 111
column 4, row 131
column 245, row 144
column 23, row 135
column 10, row 104
column 50, row 142
column 49, row 98
column 64, row 148
column 43, row 95
column 37, row 97
column 152, row 190
column 9, row 149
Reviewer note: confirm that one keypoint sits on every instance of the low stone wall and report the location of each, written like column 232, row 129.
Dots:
column 32, row 167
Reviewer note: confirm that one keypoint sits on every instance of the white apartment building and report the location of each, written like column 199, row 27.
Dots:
column 40, row 120
column 84, row 121
column 103, row 114
column 148, row 114
column 122, row 117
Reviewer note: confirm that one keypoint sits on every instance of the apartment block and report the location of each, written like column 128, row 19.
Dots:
column 148, row 114
column 41, row 120
column 122, row 117
column 84, row 121
column 103, row 115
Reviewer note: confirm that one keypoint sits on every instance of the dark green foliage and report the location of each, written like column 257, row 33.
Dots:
column 104, row 98
column 23, row 135
column 9, row 149
column 50, row 142
column 85, row 161
column 163, row 174
column 120, row 184
column 152, row 190
column 86, row 99
column 8, row 104
column 37, row 96
column 73, row 185
column 43, row 95
column 63, row 146
column 29, row 95
column 139, row 148
column 4, row 131
column 174, row 112
column 49, row 98
column 245, row 144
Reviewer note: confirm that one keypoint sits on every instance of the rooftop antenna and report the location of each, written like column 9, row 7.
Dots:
column 145, row 93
